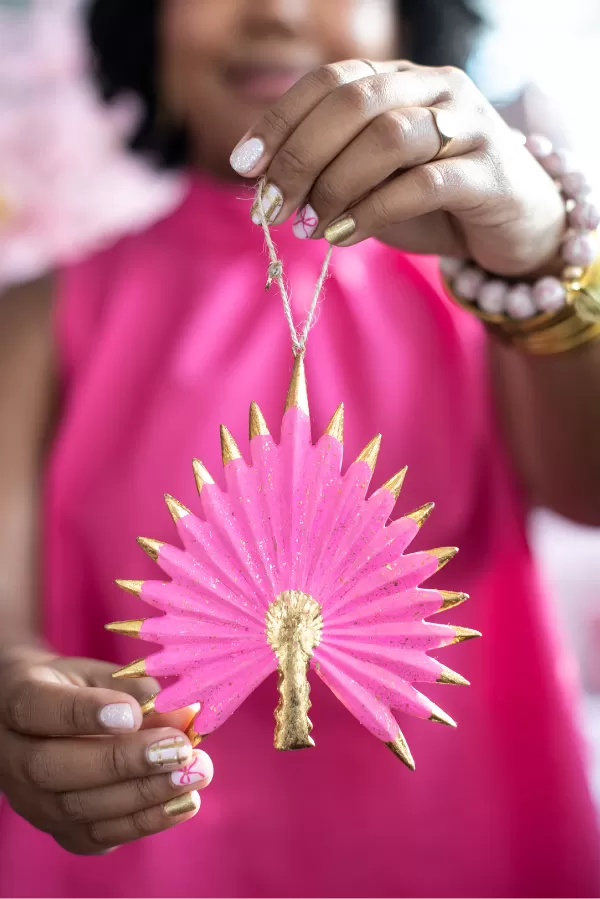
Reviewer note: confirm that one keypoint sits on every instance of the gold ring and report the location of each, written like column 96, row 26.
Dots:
column 446, row 130
column 370, row 65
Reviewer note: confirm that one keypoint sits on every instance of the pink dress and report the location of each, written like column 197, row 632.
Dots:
column 161, row 338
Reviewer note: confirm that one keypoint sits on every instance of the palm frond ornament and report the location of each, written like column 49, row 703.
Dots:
column 292, row 566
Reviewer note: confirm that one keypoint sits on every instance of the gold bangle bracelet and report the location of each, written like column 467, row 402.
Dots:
column 576, row 324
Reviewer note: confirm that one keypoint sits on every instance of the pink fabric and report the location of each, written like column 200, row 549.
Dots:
column 161, row 338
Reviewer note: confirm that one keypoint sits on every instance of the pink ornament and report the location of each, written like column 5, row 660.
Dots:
column 492, row 297
column 585, row 216
column 549, row 295
column 580, row 249
column 575, row 186
column 519, row 302
column 468, row 282
column 539, row 146
column 293, row 566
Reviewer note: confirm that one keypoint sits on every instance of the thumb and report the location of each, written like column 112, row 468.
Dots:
column 96, row 673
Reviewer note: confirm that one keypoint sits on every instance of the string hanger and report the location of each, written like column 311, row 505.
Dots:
column 275, row 274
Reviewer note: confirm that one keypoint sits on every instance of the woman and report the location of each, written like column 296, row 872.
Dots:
column 151, row 342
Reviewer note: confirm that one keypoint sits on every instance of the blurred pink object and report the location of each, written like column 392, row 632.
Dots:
column 293, row 566
column 67, row 183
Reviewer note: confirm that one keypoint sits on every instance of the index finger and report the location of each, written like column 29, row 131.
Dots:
column 37, row 702
column 256, row 149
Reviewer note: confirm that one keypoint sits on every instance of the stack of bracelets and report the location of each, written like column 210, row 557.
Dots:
column 552, row 315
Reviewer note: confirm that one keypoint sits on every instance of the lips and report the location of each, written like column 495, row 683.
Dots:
column 263, row 83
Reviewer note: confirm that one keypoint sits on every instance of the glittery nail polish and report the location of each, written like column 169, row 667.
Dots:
column 247, row 155
column 341, row 230
column 118, row 716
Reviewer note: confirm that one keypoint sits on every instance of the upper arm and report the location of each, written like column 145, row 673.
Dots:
column 26, row 403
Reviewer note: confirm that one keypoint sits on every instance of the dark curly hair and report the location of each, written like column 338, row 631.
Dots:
column 123, row 35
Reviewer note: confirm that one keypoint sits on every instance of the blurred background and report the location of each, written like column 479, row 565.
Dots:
column 61, row 155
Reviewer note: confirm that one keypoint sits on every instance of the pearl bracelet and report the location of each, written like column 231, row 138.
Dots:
column 500, row 302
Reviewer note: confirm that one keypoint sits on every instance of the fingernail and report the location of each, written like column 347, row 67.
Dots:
column 192, row 773
column 118, row 716
column 181, row 805
column 172, row 751
column 341, row 230
column 272, row 201
column 306, row 222
column 247, row 155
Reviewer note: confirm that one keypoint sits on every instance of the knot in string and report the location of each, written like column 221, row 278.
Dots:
column 275, row 274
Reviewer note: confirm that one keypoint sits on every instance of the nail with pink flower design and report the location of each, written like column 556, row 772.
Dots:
column 199, row 771
column 305, row 223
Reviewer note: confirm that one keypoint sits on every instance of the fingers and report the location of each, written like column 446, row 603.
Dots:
column 335, row 122
column 60, row 765
column 451, row 185
column 399, row 139
column 256, row 149
column 121, row 800
column 98, row 837
column 42, row 701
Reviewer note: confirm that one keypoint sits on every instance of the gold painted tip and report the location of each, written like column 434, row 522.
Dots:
column 182, row 805
column 464, row 633
column 394, row 485
column 450, row 600
column 201, row 475
column 133, row 587
column 126, row 628
column 148, row 706
column 229, row 448
column 443, row 554
column 399, row 747
column 371, row 452
column 297, row 393
column 451, row 677
column 194, row 738
column 335, row 428
column 258, row 425
column 442, row 718
column 136, row 669
column 152, row 547
column 177, row 509
column 421, row 515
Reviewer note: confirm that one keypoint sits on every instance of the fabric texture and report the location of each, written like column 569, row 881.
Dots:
column 166, row 335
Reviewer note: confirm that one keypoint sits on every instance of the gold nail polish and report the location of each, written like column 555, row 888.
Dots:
column 181, row 805
column 340, row 231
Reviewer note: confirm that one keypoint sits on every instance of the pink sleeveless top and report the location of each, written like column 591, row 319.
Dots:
column 163, row 337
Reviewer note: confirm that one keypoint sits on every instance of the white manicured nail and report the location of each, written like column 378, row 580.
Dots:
column 247, row 155
column 172, row 751
column 118, row 716
column 305, row 223
column 197, row 770
column 272, row 201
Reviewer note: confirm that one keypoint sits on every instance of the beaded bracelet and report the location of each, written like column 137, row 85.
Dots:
column 566, row 310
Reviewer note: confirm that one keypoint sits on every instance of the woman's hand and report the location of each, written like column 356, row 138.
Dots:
column 348, row 146
column 119, row 782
